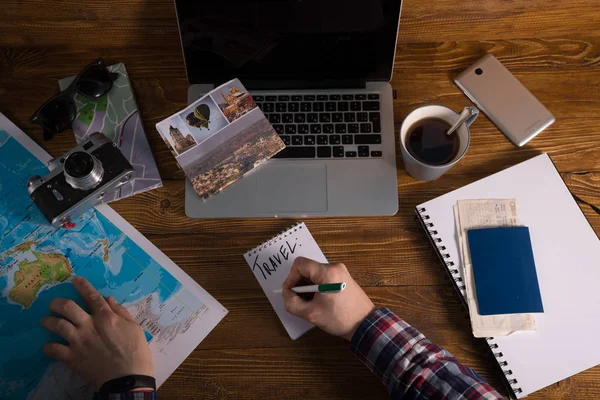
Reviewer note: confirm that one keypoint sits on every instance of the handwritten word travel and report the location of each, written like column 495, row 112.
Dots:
column 270, row 265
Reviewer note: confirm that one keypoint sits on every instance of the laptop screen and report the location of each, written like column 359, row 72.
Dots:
column 288, row 40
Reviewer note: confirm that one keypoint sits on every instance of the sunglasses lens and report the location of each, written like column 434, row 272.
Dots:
column 58, row 115
column 95, row 81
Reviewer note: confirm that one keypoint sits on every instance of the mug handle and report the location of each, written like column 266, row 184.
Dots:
column 474, row 114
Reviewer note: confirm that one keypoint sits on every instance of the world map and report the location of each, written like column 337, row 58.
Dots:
column 37, row 263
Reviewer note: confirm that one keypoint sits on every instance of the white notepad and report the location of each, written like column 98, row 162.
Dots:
column 567, row 258
column 271, row 263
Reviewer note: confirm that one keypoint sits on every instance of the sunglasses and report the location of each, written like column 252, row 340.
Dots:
column 58, row 113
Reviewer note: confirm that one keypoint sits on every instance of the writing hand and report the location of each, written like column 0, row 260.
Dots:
column 337, row 314
column 103, row 345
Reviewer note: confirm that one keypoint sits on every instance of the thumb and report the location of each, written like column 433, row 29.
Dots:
column 310, row 269
column 295, row 304
column 119, row 309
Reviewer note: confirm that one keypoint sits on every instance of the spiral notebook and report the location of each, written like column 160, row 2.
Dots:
column 566, row 252
column 271, row 263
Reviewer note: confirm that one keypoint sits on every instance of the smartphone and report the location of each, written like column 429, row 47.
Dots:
column 505, row 101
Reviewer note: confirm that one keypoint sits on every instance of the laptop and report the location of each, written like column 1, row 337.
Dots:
column 320, row 72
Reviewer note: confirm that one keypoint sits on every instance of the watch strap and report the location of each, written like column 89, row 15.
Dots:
column 134, row 396
column 125, row 384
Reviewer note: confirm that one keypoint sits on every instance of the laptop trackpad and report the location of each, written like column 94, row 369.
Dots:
column 292, row 188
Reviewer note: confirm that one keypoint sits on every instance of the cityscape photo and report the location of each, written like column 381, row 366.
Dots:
column 229, row 161
column 219, row 138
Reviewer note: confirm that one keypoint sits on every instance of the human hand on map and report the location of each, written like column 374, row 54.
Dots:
column 338, row 314
column 103, row 345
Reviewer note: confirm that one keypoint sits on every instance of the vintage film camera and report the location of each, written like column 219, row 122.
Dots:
column 79, row 180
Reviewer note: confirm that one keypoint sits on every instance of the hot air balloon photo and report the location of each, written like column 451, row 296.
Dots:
column 200, row 118
column 203, row 119
column 232, row 137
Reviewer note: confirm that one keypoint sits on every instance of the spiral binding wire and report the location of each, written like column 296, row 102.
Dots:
column 437, row 242
column 284, row 234
column 508, row 373
column 451, row 266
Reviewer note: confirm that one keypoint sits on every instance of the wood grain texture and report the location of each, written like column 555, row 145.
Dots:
column 552, row 47
column 264, row 373
column 63, row 22
column 301, row 372
column 164, row 208
column 446, row 321
column 570, row 95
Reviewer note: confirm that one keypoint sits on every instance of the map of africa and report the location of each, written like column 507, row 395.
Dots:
column 37, row 263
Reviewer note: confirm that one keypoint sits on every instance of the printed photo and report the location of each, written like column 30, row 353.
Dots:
column 203, row 119
column 214, row 152
column 176, row 135
column 224, row 158
column 233, row 100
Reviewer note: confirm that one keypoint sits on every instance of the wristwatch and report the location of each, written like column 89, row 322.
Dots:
column 125, row 384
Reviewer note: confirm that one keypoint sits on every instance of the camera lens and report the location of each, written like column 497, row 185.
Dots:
column 79, row 164
column 478, row 71
column 83, row 170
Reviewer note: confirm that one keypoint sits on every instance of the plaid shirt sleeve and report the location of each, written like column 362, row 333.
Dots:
column 410, row 366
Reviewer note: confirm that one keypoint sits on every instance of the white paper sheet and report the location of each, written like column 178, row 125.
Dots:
column 567, row 258
column 271, row 263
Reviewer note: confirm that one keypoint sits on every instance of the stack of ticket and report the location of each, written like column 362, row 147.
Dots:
column 474, row 214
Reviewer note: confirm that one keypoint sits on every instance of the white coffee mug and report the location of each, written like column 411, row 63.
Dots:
column 427, row 172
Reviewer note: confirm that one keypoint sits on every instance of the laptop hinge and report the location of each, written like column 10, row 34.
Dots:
column 324, row 84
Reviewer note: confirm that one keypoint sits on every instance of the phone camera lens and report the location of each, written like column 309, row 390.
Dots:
column 478, row 71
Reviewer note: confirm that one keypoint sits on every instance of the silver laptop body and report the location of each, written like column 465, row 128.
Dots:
column 356, row 176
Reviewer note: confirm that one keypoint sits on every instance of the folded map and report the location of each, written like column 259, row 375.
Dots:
column 116, row 115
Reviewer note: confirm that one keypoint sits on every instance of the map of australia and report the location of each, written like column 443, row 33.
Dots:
column 31, row 276
column 37, row 263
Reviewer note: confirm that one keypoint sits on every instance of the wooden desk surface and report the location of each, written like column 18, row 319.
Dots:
column 552, row 47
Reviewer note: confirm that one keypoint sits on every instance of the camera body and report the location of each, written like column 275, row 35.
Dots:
column 79, row 180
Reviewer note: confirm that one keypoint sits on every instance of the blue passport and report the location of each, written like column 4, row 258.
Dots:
column 504, row 271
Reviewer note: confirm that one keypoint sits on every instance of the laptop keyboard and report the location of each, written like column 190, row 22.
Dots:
column 337, row 126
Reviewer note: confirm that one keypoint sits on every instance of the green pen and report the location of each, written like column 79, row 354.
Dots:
column 324, row 288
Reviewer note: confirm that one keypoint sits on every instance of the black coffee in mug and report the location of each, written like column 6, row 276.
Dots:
column 428, row 142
